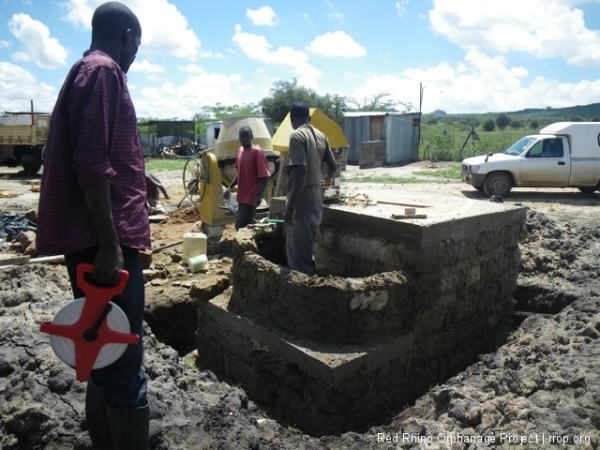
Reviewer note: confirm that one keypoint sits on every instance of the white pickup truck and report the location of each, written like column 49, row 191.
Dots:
column 564, row 154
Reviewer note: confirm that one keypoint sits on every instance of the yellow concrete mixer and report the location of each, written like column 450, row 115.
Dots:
column 206, row 178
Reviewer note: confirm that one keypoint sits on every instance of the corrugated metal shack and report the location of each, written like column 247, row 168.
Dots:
column 378, row 138
column 167, row 133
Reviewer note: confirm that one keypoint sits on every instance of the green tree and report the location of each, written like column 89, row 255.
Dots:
column 375, row 103
column 284, row 93
column 489, row 125
column 338, row 105
column 502, row 121
column 471, row 121
column 576, row 119
column 219, row 112
column 534, row 125
column 515, row 124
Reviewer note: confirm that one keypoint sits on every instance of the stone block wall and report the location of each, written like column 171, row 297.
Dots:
column 396, row 308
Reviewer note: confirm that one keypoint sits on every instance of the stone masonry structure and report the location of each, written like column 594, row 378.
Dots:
column 396, row 308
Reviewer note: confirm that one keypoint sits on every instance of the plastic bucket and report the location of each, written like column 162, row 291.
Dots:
column 194, row 244
column 198, row 263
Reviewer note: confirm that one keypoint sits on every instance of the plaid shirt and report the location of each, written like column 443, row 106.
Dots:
column 93, row 136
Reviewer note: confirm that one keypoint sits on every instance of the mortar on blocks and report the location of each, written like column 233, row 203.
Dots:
column 395, row 308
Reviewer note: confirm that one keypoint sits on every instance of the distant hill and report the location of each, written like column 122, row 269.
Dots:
column 584, row 113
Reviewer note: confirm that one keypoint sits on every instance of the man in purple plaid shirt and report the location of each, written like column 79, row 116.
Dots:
column 93, row 209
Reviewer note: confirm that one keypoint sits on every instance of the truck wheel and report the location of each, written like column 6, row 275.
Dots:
column 479, row 188
column 588, row 189
column 497, row 183
column 31, row 168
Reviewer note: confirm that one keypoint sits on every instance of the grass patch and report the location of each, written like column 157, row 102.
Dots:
column 452, row 172
column 294, row 429
column 165, row 164
column 511, row 336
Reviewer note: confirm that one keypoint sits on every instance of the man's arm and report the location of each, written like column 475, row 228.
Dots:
column 95, row 115
column 109, row 260
column 227, row 192
column 263, row 185
column 331, row 165
column 153, row 185
column 262, row 174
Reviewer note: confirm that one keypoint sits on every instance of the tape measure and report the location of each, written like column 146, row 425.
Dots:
column 116, row 320
column 91, row 332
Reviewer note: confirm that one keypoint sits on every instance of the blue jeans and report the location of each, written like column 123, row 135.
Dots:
column 301, row 238
column 123, row 383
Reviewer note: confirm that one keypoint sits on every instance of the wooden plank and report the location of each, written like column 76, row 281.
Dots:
column 404, row 204
column 162, row 247
column 48, row 259
column 5, row 261
column 409, row 216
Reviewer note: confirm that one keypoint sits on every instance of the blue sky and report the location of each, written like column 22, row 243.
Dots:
column 471, row 56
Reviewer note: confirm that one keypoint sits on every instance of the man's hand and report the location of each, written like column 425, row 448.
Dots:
column 108, row 265
column 327, row 181
column 257, row 200
column 227, row 194
column 153, row 185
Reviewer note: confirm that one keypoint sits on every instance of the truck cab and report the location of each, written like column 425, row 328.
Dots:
column 548, row 159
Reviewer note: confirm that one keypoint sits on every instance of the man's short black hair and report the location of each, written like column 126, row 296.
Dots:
column 299, row 110
column 245, row 129
column 112, row 19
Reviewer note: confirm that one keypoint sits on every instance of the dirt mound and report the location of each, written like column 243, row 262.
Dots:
column 188, row 214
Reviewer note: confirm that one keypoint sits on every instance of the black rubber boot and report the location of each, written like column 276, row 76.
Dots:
column 129, row 427
column 95, row 417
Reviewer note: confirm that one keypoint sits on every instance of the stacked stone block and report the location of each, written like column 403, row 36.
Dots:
column 396, row 308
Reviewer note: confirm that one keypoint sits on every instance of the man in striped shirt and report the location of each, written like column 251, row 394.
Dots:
column 93, row 209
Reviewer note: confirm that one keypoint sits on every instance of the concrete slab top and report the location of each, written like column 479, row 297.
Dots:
column 439, row 218
column 385, row 203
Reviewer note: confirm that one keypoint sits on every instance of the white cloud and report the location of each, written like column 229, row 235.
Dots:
column 18, row 87
column 263, row 16
column 186, row 99
column 401, row 7
column 336, row 44
column 306, row 17
column 191, row 68
column 146, row 66
column 258, row 48
column 37, row 45
column 542, row 28
column 210, row 54
column 165, row 31
column 335, row 14
column 4, row 44
column 478, row 84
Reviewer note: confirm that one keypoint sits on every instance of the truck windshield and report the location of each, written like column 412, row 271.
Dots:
column 520, row 146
